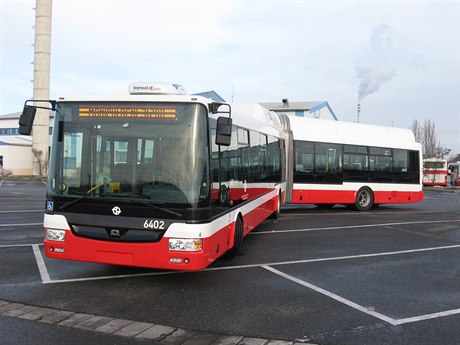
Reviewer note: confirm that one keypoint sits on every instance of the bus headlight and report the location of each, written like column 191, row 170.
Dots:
column 55, row 235
column 185, row 244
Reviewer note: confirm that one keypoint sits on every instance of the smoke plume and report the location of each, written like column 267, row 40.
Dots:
column 373, row 70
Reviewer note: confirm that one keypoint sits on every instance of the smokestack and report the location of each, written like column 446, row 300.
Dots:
column 42, row 54
column 358, row 111
column 374, row 69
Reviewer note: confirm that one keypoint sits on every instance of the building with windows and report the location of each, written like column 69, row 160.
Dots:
column 15, row 149
column 315, row 110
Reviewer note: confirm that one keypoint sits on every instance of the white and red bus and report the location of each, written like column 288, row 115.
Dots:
column 435, row 172
column 167, row 180
column 158, row 178
column 354, row 164
column 454, row 173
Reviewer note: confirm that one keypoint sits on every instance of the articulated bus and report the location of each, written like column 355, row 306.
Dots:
column 161, row 180
column 354, row 164
column 435, row 172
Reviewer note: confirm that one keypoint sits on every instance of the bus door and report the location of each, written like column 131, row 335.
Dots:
column 454, row 174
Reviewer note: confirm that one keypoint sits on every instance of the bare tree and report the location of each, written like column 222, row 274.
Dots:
column 5, row 172
column 441, row 152
column 40, row 162
column 429, row 140
column 426, row 135
column 417, row 130
column 454, row 158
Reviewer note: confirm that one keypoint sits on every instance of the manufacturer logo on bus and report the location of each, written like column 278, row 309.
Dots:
column 115, row 233
column 116, row 210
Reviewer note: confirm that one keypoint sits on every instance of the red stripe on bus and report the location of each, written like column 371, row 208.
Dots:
column 156, row 254
column 349, row 197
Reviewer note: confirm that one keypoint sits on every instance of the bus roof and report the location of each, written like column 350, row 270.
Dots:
column 137, row 98
column 250, row 115
column 329, row 131
column 254, row 116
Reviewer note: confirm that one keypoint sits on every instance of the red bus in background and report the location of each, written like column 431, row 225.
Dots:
column 435, row 172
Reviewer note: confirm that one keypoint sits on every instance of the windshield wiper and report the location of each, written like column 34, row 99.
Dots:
column 70, row 203
column 80, row 198
column 152, row 205
column 147, row 203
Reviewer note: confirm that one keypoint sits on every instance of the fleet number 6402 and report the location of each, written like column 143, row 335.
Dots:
column 154, row 224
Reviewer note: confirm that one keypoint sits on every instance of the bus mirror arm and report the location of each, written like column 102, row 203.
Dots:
column 26, row 120
column 214, row 108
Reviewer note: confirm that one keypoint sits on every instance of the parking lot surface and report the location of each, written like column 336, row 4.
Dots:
column 388, row 276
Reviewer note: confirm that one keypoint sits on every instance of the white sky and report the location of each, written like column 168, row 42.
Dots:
column 408, row 52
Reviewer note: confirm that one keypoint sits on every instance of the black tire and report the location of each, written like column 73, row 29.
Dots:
column 238, row 239
column 364, row 199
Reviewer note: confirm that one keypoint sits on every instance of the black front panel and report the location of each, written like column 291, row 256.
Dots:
column 117, row 234
column 117, row 228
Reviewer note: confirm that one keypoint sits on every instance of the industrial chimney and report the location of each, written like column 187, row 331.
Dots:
column 41, row 81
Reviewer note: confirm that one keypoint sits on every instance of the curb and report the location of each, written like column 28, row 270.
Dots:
column 129, row 328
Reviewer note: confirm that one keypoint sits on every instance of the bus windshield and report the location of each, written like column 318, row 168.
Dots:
column 155, row 152
column 435, row 165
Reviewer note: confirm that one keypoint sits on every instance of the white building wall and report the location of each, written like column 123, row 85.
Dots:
column 15, row 149
column 17, row 159
column 9, row 123
column 325, row 114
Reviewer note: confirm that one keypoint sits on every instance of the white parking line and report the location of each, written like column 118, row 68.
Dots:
column 366, row 310
column 22, row 211
column 18, row 245
column 45, row 277
column 352, row 213
column 15, row 197
column 354, row 226
column 20, row 224
column 361, row 256
column 41, row 264
column 428, row 316
column 332, row 295
column 280, row 263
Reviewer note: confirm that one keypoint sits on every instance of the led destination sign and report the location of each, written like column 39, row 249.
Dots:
column 152, row 112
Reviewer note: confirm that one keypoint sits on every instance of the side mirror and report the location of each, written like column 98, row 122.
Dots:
column 224, row 131
column 26, row 120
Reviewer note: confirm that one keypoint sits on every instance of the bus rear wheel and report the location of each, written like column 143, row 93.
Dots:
column 276, row 214
column 237, row 240
column 364, row 199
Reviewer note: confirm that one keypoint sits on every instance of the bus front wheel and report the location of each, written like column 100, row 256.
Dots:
column 364, row 199
column 237, row 240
